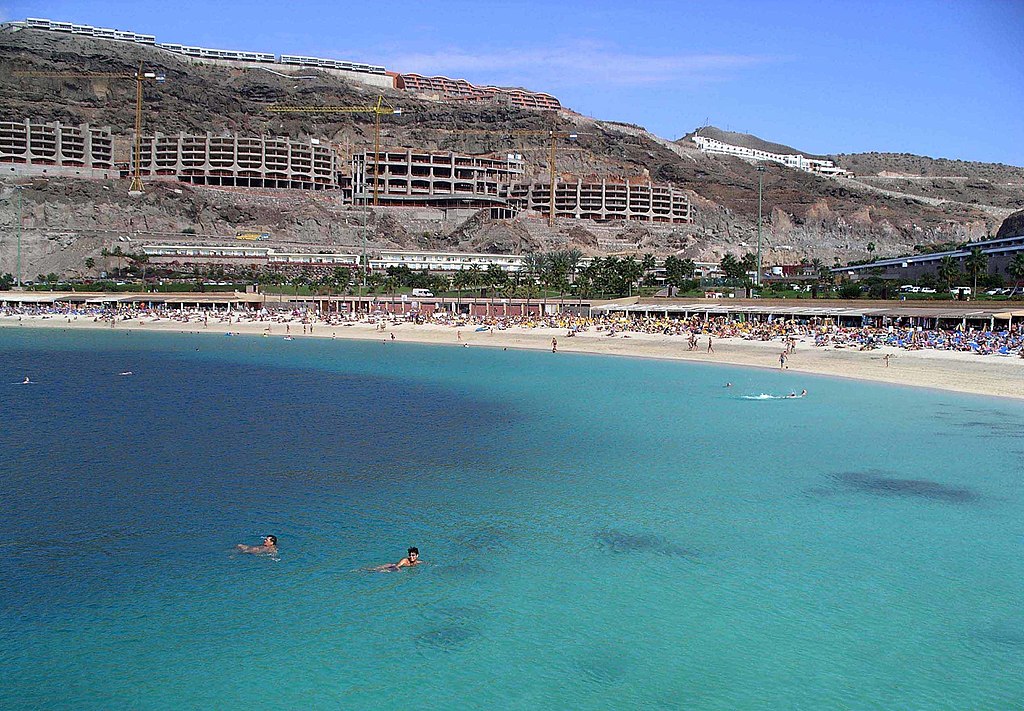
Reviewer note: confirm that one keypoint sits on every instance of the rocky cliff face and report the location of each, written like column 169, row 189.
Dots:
column 1013, row 226
column 805, row 215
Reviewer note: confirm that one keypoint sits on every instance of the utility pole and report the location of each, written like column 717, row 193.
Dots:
column 20, row 220
column 760, row 188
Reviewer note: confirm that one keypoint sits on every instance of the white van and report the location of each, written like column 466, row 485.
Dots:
column 422, row 292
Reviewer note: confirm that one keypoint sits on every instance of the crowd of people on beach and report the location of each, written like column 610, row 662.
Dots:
column 822, row 333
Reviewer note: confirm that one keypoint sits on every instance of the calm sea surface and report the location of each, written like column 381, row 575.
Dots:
column 601, row 533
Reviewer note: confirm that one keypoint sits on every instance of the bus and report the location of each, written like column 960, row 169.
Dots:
column 253, row 236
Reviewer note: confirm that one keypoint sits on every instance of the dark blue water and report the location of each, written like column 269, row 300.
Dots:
column 600, row 533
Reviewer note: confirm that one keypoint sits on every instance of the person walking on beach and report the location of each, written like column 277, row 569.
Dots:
column 554, row 344
column 782, row 360
column 710, row 347
column 886, row 359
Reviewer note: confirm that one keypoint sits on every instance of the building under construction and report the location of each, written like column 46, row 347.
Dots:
column 392, row 177
column 437, row 179
column 605, row 200
column 248, row 162
column 32, row 148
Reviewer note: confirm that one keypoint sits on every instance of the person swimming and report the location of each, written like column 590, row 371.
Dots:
column 269, row 547
column 412, row 558
column 26, row 381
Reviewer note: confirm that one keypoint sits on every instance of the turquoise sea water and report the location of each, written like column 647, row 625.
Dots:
column 601, row 533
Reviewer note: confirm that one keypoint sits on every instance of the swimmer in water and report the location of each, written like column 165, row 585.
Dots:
column 411, row 559
column 26, row 381
column 269, row 546
column 728, row 385
column 127, row 372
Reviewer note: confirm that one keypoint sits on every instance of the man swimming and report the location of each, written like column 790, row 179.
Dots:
column 269, row 546
column 412, row 558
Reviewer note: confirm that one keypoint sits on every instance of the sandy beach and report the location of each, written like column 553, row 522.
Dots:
column 992, row 375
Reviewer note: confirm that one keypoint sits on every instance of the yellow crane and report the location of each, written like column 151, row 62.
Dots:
column 381, row 108
column 553, row 135
column 139, row 77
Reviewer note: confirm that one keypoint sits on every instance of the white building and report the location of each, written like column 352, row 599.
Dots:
column 445, row 261
column 791, row 160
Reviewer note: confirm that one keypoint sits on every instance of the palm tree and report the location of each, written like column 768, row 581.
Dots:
column 948, row 271
column 647, row 265
column 1016, row 269
column 871, row 248
column 977, row 261
column 573, row 259
column 533, row 267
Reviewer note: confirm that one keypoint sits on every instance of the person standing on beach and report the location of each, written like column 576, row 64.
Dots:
column 782, row 360
column 554, row 344
column 886, row 359
column 710, row 347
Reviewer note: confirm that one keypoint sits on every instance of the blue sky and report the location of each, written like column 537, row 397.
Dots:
column 944, row 79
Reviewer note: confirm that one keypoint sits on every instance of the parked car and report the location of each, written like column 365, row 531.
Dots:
column 928, row 290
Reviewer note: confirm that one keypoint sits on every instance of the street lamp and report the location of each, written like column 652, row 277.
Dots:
column 760, row 189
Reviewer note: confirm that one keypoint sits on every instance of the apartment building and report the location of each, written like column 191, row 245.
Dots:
column 33, row 148
column 444, row 261
column 438, row 179
column 240, row 161
column 604, row 201
column 247, row 255
column 792, row 160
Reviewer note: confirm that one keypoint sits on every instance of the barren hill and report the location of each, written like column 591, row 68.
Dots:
column 807, row 215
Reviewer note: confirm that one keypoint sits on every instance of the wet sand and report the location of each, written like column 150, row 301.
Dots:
column 1001, row 376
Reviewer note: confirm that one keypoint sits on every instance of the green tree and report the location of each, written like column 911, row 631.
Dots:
column 748, row 263
column 630, row 273
column 1016, row 269
column 731, row 267
column 871, row 248
column 90, row 263
column 495, row 277
column 976, row 263
column 948, row 271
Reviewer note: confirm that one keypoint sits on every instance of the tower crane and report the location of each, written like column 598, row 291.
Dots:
column 139, row 77
column 553, row 135
column 380, row 108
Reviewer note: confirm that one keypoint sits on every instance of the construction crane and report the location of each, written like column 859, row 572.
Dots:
column 138, row 76
column 554, row 136
column 381, row 108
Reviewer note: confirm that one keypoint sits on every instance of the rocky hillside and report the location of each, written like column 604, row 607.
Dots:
column 806, row 215
column 1013, row 226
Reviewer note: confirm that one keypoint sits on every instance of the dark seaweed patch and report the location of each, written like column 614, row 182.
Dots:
column 603, row 669
column 876, row 483
column 447, row 637
column 614, row 540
